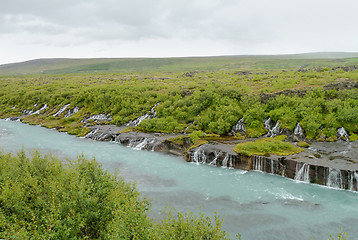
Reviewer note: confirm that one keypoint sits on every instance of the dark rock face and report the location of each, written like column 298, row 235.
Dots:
column 189, row 74
column 214, row 157
column 347, row 68
column 243, row 73
column 290, row 168
column 98, row 135
column 341, row 84
column 267, row 96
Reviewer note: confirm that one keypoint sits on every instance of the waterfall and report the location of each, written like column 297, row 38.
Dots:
column 151, row 114
column 92, row 133
column 198, row 156
column 239, row 126
column 272, row 167
column 44, row 107
column 230, row 161
column 334, row 178
column 258, row 163
column 141, row 144
column 72, row 112
column 353, row 181
column 213, row 162
column 61, row 110
column 298, row 131
column 272, row 131
column 342, row 134
column 224, row 162
column 101, row 117
column 303, row 172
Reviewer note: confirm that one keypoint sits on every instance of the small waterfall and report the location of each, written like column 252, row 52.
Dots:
column 101, row 117
column 267, row 123
column 334, row 178
column 225, row 160
column 273, row 131
column 272, row 167
column 230, row 161
column 342, row 134
column 141, row 144
column 258, row 163
column 198, row 156
column 213, row 162
column 59, row 112
column 151, row 114
column 92, row 133
column 44, row 107
column 298, row 131
column 27, row 112
column 72, row 112
column 239, row 126
column 353, row 181
column 303, row 172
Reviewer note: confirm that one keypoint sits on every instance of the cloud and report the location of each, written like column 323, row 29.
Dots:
column 226, row 26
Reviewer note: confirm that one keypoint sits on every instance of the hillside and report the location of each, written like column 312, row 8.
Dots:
column 126, row 65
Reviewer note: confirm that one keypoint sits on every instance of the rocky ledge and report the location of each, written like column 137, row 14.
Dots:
column 332, row 164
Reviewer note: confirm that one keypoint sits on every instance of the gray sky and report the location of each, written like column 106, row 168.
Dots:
column 32, row 29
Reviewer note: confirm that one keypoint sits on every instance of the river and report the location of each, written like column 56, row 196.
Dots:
column 256, row 205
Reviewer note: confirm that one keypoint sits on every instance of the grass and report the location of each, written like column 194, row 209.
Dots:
column 275, row 145
column 110, row 65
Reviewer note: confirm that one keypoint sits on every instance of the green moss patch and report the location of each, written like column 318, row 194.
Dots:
column 303, row 144
column 264, row 146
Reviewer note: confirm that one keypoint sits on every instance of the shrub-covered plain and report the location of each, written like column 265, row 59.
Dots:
column 211, row 102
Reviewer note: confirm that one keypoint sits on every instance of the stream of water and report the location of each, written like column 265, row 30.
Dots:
column 254, row 204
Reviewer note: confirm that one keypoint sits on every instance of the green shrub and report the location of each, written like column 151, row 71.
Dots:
column 44, row 198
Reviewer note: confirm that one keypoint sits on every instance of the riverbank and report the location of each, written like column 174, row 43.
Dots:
column 333, row 164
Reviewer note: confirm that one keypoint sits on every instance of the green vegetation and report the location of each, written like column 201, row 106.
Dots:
column 293, row 61
column 322, row 99
column 42, row 197
column 303, row 144
column 275, row 145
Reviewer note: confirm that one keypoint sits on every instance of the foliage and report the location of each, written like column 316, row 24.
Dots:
column 209, row 101
column 44, row 198
column 263, row 146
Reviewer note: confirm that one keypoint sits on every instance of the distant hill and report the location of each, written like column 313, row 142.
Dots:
column 266, row 62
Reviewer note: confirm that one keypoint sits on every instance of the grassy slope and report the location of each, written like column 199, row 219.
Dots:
column 52, row 66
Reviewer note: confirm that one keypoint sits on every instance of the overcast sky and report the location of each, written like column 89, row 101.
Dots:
column 31, row 29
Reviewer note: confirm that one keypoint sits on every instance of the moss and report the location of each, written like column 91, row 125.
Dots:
column 303, row 144
column 353, row 137
column 264, row 146
column 198, row 143
column 331, row 139
column 180, row 140
column 128, row 129
column 254, row 133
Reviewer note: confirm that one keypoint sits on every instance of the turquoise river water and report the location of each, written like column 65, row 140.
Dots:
column 255, row 204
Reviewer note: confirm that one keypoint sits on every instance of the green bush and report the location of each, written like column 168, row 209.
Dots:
column 44, row 198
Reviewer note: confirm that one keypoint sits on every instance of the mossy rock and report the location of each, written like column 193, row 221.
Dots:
column 303, row 144
column 264, row 146
column 353, row 137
